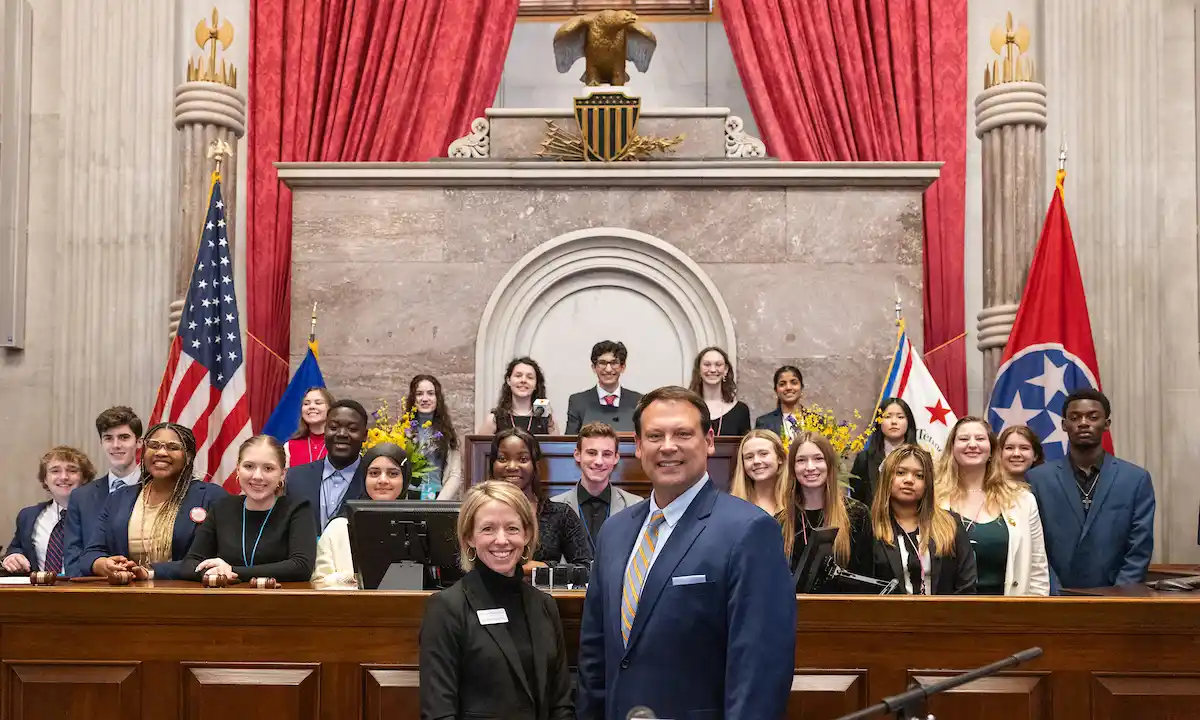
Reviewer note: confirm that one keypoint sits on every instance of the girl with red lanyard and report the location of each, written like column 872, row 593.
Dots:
column 917, row 542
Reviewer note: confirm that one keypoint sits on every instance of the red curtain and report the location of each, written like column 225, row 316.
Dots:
column 349, row 81
column 863, row 80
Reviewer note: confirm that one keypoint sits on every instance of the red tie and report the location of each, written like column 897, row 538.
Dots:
column 610, row 400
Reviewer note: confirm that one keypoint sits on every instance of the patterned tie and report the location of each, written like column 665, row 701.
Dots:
column 54, row 549
column 635, row 576
column 610, row 400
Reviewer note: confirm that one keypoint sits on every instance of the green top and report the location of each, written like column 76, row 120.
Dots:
column 990, row 542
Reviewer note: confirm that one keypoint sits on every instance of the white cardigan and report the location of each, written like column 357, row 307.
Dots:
column 1027, row 571
column 334, row 569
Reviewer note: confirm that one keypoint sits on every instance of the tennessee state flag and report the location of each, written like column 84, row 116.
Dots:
column 1050, row 352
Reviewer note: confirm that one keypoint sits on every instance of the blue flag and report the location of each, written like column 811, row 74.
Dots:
column 286, row 419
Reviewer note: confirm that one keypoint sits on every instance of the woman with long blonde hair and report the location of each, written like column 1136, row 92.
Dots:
column 998, row 512
column 813, row 470
column 760, row 477
column 916, row 541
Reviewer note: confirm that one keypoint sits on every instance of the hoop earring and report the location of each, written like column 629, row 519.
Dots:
column 472, row 556
column 526, row 555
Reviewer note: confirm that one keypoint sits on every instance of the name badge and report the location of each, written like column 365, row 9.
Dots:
column 495, row 616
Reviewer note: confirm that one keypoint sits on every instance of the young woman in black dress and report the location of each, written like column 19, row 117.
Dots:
column 712, row 379
column 813, row 468
column 524, row 382
column 515, row 455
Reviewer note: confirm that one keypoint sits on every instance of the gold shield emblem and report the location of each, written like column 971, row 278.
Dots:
column 607, row 124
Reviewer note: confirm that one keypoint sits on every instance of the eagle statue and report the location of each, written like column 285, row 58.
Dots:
column 605, row 40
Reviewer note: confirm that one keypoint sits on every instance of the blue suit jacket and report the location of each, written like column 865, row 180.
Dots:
column 22, row 541
column 111, row 534
column 772, row 421
column 724, row 647
column 83, row 512
column 304, row 482
column 1113, row 544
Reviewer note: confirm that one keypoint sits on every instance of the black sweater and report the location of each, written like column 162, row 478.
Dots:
column 286, row 551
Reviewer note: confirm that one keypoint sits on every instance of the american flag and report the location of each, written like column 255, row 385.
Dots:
column 204, row 386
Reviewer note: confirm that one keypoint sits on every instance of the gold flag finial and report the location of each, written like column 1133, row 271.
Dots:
column 1011, row 44
column 218, row 150
column 312, row 330
column 220, row 33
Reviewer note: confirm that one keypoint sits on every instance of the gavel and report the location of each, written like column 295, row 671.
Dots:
column 120, row 577
column 43, row 578
column 220, row 581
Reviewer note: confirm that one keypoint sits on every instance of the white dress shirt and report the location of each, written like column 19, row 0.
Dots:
column 926, row 568
column 46, row 520
column 604, row 393
column 116, row 483
column 672, row 513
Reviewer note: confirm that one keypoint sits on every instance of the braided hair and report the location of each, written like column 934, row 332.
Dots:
column 159, row 542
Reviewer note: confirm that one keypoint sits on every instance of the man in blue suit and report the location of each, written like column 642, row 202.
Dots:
column 1097, row 510
column 120, row 431
column 691, row 609
column 327, row 484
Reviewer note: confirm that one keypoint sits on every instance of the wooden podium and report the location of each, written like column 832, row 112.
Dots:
column 559, row 471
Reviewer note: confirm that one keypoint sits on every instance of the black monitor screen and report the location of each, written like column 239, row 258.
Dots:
column 388, row 532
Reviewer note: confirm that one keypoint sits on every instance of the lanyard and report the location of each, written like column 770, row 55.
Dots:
column 254, row 550
column 904, row 546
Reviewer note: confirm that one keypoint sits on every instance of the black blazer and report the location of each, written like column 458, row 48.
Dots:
column 470, row 670
column 865, row 478
column 585, row 407
column 949, row 575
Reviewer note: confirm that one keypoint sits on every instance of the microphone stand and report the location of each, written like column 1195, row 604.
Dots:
column 910, row 704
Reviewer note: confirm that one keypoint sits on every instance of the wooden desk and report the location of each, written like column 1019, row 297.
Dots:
column 558, row 463
column 91, row 652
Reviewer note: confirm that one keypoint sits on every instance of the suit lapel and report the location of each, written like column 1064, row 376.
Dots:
column 541, row 635
column 183, row 531
column 682, row 536
column 1069, row 489
column 892, row 553
column 478, row 598
column 119, row 521
column 1104, row 484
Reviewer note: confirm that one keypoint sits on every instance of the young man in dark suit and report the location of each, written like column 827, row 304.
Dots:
column 39, row 542
column 120, row 431
column 327, row 484
column 607, row 402
column 691, row 609
column 1097, row 510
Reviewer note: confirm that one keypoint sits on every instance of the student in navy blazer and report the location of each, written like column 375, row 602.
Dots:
column 177, row 501
column 1097, row 510
column 120, row 431
column 713, row 627
column 39, row 540
column 789, row 388
column 327, row 484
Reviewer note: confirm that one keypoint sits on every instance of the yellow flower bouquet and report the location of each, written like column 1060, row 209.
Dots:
column 403, row 432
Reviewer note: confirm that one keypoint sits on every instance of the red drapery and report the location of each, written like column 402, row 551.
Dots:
column 863, row 80
column 339, row 80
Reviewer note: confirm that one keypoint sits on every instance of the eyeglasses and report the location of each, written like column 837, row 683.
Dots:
column 168, row 446
column 608, row 363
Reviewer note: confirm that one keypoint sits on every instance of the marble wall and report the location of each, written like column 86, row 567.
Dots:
column 403, row 276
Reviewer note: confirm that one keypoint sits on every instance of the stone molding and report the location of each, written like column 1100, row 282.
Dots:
column 569, row 113
column 740, row 144
column 570, row 262
column 1015, row 103
column 476, row 144
column 994, row 326
column 209, row 103
column 658, row 174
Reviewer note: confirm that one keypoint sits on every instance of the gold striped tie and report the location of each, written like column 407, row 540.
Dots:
column 635, row 576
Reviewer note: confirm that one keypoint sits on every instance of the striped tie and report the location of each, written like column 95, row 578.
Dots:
column 635, row 576
column 54, row 549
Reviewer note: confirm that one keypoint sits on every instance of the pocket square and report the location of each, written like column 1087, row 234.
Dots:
column 688, row 580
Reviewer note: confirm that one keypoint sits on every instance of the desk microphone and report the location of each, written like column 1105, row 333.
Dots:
column 640, row 711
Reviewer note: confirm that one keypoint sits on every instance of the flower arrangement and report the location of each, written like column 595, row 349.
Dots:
column 843, row 435
column 404, row 432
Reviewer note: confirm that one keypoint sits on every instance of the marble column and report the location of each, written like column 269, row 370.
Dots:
column 116, row 202
column 204, row 112
column 1103, row 64
column 1010, row 121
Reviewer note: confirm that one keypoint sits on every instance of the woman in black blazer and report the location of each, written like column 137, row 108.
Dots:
column 894, row 426
column 491, row 645
column 916, row 541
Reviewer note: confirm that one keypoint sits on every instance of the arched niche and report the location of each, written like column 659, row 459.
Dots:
column 593, row 284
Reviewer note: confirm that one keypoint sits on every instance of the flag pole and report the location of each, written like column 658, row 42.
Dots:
column 1061, row 175
column 312, row 329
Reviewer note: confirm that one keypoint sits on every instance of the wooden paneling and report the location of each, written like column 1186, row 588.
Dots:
column 247, row 691
column 1006, row 696
column 1145, row 696
column 559, row 471
column 824, row 694
column 72, row 691
column 392, row 693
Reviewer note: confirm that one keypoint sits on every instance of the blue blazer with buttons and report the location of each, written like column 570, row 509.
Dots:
column 22, row 541
column 304, row 482
column 83, row 512
column 1113, row 543
column 719, row 644
column 111, row 534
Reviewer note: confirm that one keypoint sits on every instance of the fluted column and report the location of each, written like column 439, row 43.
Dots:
column 116, row 200
column 1010, row 121
column 1102, row 66
column 204, row 112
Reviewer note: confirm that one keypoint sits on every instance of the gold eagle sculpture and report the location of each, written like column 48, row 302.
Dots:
column 605, row 40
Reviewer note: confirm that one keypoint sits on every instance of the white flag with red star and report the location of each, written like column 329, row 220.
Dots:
column 909, row 380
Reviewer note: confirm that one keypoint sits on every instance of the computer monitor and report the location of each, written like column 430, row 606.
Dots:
column 403, row 544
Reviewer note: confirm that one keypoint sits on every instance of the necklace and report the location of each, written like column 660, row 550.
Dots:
column 1087, row 494
column 804, row 522
column 512, row 419
column 314, row 448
